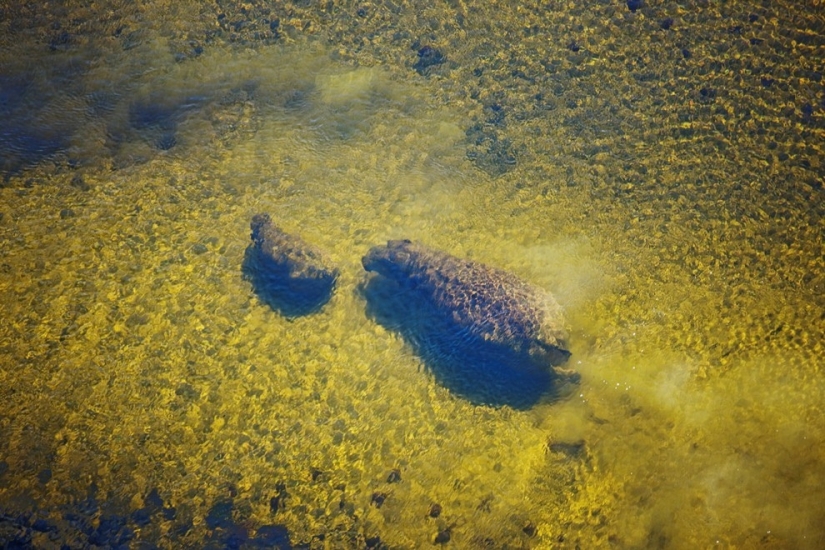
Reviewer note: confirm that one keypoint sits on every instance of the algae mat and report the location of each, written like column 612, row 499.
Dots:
column 656, row 166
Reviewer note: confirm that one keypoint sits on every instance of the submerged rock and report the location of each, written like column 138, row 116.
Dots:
column 480, row 314
column 288, row 273
column 428, row 57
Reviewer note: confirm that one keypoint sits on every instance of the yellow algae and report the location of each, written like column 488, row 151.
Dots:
column 687, row 255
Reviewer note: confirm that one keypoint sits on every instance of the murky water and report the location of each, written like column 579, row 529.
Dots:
column 659, row 170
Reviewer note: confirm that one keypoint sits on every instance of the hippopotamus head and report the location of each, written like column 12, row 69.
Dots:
column 393, row 260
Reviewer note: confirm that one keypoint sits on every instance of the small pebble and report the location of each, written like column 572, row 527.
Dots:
column 394, row 477
column 79, row 183
column 435, row 510
column 378, row 499
column 427, row 57
column 44, row 476
column 443, row 537
column 529, row 529
column 634, row 5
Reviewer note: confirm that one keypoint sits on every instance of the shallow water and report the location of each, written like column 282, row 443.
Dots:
column 665, row 184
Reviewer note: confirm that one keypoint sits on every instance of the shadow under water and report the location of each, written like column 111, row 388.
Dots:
column 25, row 140
column 483, row 372
column 291, row 297
column 98, row 522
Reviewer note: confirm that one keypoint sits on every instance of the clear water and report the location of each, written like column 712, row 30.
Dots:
column 664, row 183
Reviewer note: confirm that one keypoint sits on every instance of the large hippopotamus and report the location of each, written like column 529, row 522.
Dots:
column 290, row 274
column 483, row 306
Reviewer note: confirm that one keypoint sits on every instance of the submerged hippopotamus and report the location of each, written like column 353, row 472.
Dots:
column 483, row 306
column 290, row 274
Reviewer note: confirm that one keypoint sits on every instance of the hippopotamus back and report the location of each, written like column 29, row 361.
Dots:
column 480, row 301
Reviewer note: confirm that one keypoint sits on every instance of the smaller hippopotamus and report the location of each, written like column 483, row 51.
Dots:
column 481, row 305
column 288, row 273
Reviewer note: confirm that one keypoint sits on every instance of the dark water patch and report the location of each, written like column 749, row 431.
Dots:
column 23, row 145
column 291, row 297
column 187, row 392
column 154, row 120
column 297, row 100
column 428, row 57
column 488, row 151
column 90, row 522
column 166, row 141
column 270, row 536
column 278, row 502
column 220, row 515
column 481, row 372
column 44, row 476
column 14, row 92
column 149, row 114
column 39, row 113
column 229, row 528
column 60, row 40
column 24, row 141
column 112, row 530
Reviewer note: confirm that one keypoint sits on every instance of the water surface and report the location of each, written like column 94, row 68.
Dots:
column 658, row 170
